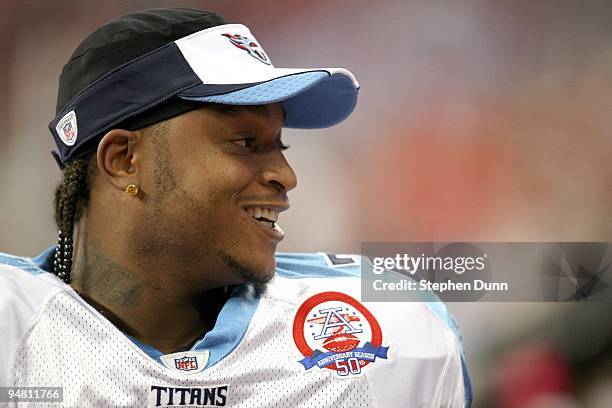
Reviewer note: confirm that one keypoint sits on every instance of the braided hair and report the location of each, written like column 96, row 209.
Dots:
column 71, row 200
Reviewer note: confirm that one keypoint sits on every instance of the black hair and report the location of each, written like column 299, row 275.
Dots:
column 71, row 200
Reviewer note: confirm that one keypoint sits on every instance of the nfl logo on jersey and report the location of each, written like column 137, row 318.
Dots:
column 186, row 363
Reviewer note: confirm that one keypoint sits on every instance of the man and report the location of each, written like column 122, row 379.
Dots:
column 168, row 130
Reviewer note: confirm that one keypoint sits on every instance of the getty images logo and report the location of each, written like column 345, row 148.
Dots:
column 214, row 396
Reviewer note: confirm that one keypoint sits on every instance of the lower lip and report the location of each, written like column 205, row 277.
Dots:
column 274, row 233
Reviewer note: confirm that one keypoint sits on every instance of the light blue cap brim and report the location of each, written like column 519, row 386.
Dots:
column 313, row 99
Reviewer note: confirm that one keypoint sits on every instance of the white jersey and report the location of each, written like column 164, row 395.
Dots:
column 306, row 341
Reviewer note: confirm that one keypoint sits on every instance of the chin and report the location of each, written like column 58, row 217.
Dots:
column 257, row 270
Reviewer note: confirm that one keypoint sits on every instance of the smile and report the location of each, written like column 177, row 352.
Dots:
column 266, row 218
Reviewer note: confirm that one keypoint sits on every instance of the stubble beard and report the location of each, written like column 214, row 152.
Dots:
column 247, row 274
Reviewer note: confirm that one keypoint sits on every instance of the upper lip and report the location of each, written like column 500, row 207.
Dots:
column 280, row 207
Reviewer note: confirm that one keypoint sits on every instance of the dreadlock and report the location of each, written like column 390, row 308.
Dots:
column 71, row 199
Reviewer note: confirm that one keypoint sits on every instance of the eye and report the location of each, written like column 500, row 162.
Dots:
column 247, row 142
column 282, row 146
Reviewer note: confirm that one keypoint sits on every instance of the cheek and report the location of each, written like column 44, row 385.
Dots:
column 220, row 178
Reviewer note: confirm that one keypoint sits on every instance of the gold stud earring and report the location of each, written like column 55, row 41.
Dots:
column 132, row 190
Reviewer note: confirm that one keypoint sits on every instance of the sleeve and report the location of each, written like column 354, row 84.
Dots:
column 21, row 297
column 425, row 365
column 455, row 388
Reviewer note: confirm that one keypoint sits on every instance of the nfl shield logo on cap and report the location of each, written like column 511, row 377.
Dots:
column 67, row 128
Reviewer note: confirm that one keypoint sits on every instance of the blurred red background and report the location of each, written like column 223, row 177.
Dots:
column 477, row 121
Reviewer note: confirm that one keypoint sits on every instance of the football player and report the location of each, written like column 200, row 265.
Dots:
column 164, row 288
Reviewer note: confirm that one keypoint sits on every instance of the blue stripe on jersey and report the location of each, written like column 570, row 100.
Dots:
column 151, row 351
column 231, row 325
column 297, row 265
column 466, row 382
column 29, row 265
column 45, row 260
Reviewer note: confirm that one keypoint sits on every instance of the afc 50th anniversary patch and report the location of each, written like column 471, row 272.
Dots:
column 343, row 327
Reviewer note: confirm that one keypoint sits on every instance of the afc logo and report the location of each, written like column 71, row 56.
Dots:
column 334, row 320
column 186, row 363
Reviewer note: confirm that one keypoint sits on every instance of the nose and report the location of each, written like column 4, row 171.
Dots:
column 277, row 172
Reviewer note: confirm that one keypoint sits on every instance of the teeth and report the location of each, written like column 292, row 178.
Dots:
column 267, row 213
column 270, row 214
column 278, row 229
column 273, row 215
column 259, row 212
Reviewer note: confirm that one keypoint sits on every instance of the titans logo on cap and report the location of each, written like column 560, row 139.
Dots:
column 336, row 332
column 248, row 45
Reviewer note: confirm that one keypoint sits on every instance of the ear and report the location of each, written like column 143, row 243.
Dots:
column 118, row 157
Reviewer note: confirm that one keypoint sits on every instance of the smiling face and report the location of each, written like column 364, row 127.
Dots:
column 215, row 183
